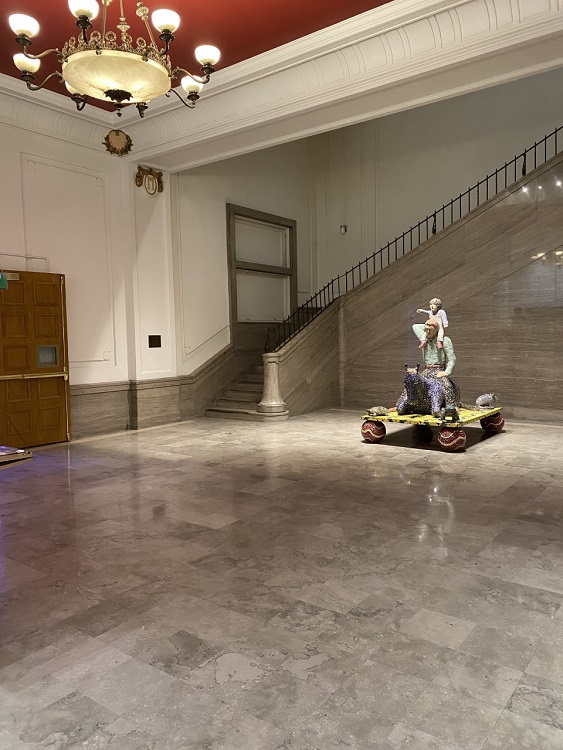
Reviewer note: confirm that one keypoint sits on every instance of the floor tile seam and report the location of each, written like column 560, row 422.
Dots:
column 492, row 731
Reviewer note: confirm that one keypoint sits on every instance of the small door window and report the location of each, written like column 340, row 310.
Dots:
column 47, row 356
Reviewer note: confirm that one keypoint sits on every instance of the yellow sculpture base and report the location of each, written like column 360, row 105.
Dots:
column 465, row 417
column 451, row 436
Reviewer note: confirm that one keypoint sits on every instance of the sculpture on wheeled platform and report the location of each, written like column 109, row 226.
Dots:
column 431, row 398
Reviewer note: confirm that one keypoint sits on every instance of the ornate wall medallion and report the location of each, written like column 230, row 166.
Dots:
column 149, row 179
column 117, row 142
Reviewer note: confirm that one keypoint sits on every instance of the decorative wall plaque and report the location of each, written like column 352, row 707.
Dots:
column 149, row 179
column 117, row 142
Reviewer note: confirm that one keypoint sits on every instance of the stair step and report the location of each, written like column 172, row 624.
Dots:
column 252, row 378
column 235, row 395
column 236, row 403
column 241, row 386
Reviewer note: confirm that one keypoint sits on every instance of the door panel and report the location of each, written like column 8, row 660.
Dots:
column 34, row 390
column 16, row 359
column 14, row 325
column 45, row 326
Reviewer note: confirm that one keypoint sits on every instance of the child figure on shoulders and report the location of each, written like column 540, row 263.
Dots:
column 441, row 318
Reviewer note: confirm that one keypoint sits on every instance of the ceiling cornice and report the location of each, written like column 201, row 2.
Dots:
column 355, row 70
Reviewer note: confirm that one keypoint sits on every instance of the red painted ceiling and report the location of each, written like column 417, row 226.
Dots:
column 240, row 28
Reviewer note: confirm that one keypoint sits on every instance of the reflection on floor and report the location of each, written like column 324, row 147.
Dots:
column 243, row 586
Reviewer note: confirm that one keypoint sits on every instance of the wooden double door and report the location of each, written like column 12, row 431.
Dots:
column 34, row 387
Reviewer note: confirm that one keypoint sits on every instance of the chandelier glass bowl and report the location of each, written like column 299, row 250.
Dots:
column 110, row 65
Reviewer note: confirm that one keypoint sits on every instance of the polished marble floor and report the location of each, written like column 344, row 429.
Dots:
column 238, row 586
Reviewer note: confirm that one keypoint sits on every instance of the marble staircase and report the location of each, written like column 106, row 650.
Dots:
column 242, row 397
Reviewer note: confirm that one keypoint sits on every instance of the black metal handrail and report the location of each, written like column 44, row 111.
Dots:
column 451, row 212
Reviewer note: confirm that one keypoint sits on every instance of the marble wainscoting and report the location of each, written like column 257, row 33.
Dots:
column 99, row 408
column 499, row 274
column 104, row 408
column 215, row 585
column 154, row 402
column 309, row 365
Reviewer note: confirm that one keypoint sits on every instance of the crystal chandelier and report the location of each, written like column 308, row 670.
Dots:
column 96, row 65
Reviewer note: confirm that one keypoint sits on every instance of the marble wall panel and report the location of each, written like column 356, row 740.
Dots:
column 154, row 402
column 99, row 409
column 309, row 366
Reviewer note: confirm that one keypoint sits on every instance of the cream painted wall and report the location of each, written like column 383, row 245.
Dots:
column 344, row 180
column 153, row 290
column 63, row 202
column 385, row 175
column 427, row 156
column 275, row 180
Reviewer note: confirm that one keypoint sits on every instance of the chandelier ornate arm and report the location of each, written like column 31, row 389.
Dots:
column 28, row 77
column 192, row 97
column 41, row 55
column 200, row 79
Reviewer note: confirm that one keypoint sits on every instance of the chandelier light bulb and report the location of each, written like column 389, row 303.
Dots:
column 23, row 25
column 207, row 55
column 190, row 85
column 26, row 64
column 165, row 20
column 88, row 8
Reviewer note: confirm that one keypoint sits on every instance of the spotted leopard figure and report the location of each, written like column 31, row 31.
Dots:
column 428, row 395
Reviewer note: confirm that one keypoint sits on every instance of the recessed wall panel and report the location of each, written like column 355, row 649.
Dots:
column 73, row 233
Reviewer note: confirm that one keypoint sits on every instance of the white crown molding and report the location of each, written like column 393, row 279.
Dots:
column 363, row 64
column 51, row 114
column 406, row 42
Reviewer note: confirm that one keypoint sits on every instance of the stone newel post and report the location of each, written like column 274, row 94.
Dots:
column 272, row 401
